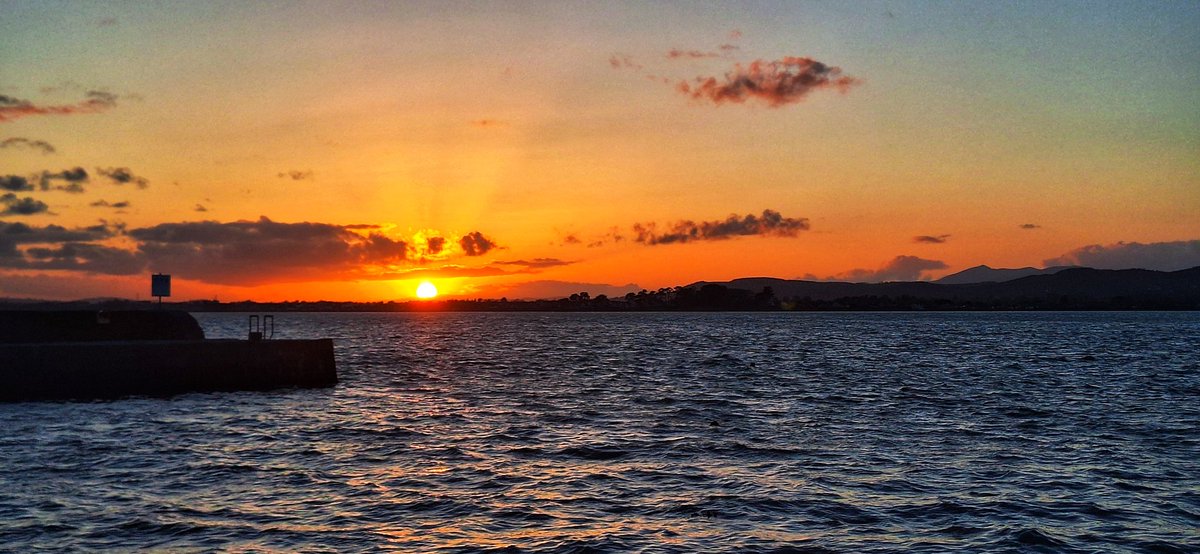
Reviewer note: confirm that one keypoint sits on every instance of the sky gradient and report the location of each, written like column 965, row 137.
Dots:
column 346, row 151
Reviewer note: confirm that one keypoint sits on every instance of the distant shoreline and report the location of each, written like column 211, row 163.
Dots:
column 1074, row 289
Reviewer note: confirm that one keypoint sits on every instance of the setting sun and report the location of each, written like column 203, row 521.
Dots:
column 426, row 290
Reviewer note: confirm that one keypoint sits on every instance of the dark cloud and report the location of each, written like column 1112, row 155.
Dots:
column 1161, row 256
column 435, row 245
column 675, row 53
column 295, row 174
column 535, row 263
column 21, row 206
column 122, row 175
column 620, row 61
column 931, row 239
column 776, row 83
column 235, row 253
column 20, row 233
column 13, row 234
column 249, row 252
column 19, row 142
column 199, row 208
column 15, row 183
column 74, row 179
column 770, row 223
column 1028, row 226
column 94, row 101
column 79, row 256
column 571, row 239
column 115, row 205
column 475, row 244
column 900, row 268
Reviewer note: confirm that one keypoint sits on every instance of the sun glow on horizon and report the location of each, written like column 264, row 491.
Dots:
column 426, row 290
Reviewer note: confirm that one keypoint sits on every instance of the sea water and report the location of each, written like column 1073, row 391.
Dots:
column 651, row 432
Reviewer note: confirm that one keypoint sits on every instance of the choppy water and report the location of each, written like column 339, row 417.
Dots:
column 777, row 432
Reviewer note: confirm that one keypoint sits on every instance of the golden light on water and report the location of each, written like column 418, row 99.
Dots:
column 426, row 290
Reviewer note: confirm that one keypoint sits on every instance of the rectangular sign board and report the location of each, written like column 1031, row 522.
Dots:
column 160, row 285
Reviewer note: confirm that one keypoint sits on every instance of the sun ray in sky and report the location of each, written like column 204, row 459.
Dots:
column 315, row 150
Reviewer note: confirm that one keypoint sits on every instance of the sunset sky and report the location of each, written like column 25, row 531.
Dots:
column 348, row 151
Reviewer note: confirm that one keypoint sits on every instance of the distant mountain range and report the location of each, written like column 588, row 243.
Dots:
column 985, row 274
column 1070, row 288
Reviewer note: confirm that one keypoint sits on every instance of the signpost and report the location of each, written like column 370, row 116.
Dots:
column 160, row 286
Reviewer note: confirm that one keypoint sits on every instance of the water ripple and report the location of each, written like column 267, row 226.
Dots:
column 645, row 433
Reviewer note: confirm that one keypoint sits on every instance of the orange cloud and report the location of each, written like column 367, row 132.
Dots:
column 776, row 83
column 16, row 108
column 770, row 223
column 675, row 53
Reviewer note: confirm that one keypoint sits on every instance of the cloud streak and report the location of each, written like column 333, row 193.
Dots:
column 106, row 204
column 295, row 174
column 122, row 176
column 775, row 83
column 535, row 263
column 770, row 223
column 676, row 53
column 94, row 101
column 931, row 239
column 21, row 142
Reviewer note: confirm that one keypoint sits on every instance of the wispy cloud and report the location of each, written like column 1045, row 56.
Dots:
column 776, row 83
column 94, row 101
column 295, row 174
column 770, row 223
column 1161, row 256
column 623, row 61
column 106, row 204
column 21, row 142
column 123, row 175
column 535, row 263
column 931, row 239
column 676, row 53
column 1030, row 226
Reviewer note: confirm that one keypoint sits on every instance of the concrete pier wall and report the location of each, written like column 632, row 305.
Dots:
column 90, row 370
column 25, row 326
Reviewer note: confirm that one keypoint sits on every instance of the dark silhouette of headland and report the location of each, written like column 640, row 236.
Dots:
column 1052, row 289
